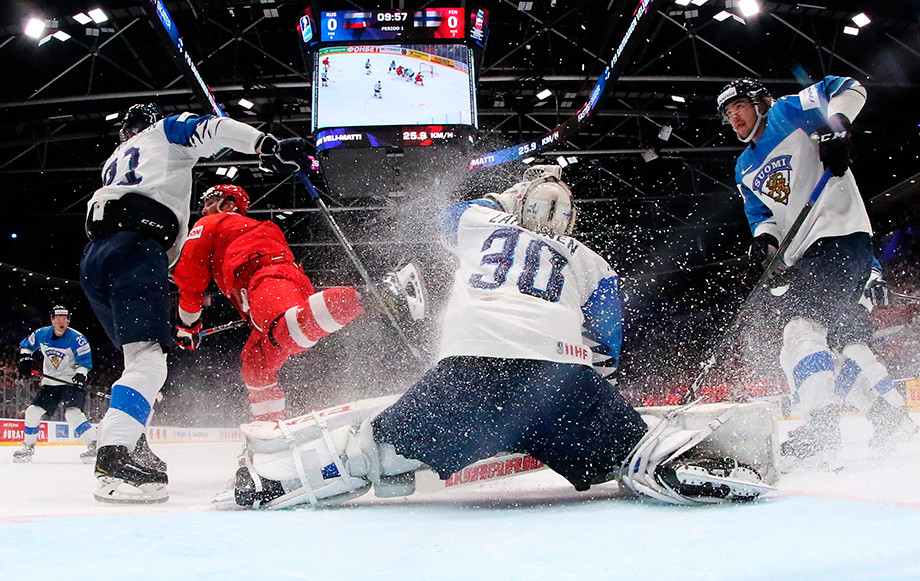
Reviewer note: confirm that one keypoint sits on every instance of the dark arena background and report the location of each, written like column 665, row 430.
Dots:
column 619, row 93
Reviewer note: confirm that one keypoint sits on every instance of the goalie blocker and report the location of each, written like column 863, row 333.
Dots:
column 696, row 454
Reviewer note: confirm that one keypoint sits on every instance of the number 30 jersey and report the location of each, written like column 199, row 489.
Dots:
column 522, row 295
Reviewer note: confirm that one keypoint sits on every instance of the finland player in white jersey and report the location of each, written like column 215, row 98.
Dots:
column 67, row 356
column 792, row 141
column 514, row 375
column 137, row 222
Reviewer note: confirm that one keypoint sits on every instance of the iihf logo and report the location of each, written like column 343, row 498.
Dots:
column 772, row 180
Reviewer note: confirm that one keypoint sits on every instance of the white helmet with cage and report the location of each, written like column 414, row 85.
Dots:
column 541, row 202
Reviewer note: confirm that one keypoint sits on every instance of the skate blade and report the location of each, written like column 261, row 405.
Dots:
column 740, row 489
column 117, row 491
column 22, row 460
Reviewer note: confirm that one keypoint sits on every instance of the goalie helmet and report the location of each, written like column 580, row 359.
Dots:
column 137, row 118
column 546, row 208
column 739, row 89
column 223, row 191
column 58, row 310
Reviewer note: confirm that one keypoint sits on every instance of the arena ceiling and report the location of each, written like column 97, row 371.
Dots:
column 653, row 171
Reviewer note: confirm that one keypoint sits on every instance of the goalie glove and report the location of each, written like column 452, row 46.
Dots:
column 834, row 147
column 187, row 335
column 283, row 157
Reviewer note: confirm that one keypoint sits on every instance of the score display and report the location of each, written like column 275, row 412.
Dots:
column 362, row 26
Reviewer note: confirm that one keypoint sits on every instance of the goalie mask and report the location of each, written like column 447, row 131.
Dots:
column 137, row 118
column 223, row 191
column 546, row 207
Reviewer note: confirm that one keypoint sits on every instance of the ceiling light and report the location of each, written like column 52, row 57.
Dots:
column 748, row 7
column 682, row 2
column 82, row 18
column 861, row 19
column 528, row 160
column 649, row 155
column 851, row 30
column 722, row 15
column 699, row 2
column 111, row 117
column 231, row 172
column 221, row 171
column 245, row 103
column 678, row 99
column 665, row 132
column 572, row 160
column 35, row 27
column 544, row 94
column 61, row 35
column 44, row 40
column 562, row 161
column 98, row 15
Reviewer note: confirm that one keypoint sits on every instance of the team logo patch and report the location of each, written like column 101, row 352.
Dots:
column 56, row 357
column 195, row 233
column 772, row 180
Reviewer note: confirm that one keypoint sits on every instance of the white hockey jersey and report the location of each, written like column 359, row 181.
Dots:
column 777, row 175
column 521, row 295
column 158, row 162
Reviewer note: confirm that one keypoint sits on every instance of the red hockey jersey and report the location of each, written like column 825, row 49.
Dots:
column 229, row 248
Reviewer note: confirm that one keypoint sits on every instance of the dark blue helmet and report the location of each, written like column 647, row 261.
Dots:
column 137, row 118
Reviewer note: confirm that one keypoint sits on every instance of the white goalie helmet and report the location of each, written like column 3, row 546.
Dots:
column 541, row 202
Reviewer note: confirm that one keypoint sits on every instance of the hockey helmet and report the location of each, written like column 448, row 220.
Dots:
column 222, row 191
column 546, row 207
column 738, row 89
column 58, row 310
column 137, row 118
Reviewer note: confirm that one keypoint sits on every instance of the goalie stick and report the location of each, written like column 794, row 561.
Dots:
column 692, row 392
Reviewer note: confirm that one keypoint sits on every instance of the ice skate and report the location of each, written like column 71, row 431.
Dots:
column 145, row 457
column 819, row 437
column 714, row 478
column 403, row 293
column 891, row 425
column 24, row 454
column 121, row 479
column 88, row 456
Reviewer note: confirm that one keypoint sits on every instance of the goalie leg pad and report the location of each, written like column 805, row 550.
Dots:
column 320, row 459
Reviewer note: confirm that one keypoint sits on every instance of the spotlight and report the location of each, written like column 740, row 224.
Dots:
column 861, row 19
column 35, row 27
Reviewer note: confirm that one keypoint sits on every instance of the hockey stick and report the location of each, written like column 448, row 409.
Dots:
column 693, row 391
column 222, row 328
column 904, row 296
column 70, row 383
column 350, row 251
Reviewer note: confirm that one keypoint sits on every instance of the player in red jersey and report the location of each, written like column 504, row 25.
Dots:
column 254, row 267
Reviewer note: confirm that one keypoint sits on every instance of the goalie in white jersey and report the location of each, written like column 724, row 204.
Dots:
column 514, row 374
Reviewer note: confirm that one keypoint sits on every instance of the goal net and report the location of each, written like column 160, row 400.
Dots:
column 427, row 70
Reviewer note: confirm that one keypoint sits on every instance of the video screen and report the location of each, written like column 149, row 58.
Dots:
column 368, row 85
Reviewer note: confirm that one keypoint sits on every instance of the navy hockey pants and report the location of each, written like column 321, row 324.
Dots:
column 125, row 277
column 470, row 408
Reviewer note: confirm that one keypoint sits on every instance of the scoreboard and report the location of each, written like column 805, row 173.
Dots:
column 433, row 24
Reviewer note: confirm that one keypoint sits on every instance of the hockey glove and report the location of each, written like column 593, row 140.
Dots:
column 187, row 335
column 834, row 144
column 283, row 157
column 79, row 380
column 25, row 365
column 762, row 250
column 877, row 293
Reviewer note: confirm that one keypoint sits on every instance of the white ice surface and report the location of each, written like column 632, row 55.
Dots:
column 862, row 522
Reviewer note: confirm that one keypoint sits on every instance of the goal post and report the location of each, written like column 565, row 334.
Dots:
column 427, row 70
